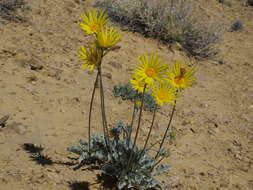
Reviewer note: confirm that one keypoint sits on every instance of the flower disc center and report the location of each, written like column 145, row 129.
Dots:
column 94, row 27
column 150, row 72
column 162, row 96
column 179, row 80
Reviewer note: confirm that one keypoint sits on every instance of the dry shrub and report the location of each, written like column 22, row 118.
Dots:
column 167, row 20
column 250, row 2
column 8, row 10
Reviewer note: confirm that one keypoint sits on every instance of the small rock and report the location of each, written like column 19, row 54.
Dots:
column 238, row 156
column 107, row 75
column 221, row 62
column 28, row 61
column 76, row 99
column 192, row 130
column 202, row 173
column 18, row 128
column 115, row 65
column 3, row 121
column 36, row 67
column 32, row 78
column 203, row 105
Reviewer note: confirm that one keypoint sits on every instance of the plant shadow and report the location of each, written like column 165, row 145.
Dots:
column 37, row 155
column 79, row 185
column 107, row 182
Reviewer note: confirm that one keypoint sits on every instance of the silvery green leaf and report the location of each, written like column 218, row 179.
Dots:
column 75, row 149
column 83, row 157
column 162, row 152
column 162, row 169
column 82, row 142
column 121, row 184
column 156, row 183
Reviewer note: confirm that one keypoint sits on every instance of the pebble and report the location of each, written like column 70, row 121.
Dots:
column 18, row 128
column 107, row 75
column 115, row 64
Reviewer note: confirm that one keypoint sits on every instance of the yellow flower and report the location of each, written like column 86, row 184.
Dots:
column 164, row 93
column 93, row 21
column 108, row 37
column 150, row 68
column 138, row 103
column 179, row 77
column 138, row 85
column 91, row 57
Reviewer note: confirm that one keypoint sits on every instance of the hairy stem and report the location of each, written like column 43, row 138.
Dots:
column 138, row 127
column 91, row 104
column 168, row 127
column 132, row 122
column 150, row 129
column 140, row 114
column 157, row 163
column 105, row 128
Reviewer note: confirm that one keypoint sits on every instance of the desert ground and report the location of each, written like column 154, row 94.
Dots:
column 46, row 94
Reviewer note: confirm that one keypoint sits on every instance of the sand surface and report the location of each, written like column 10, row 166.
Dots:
column 47, row 94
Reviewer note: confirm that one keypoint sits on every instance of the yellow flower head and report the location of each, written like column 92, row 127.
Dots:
column 93, row 21
column 91, row 57
column 179, row 77
column 150, row 68
column 108, row 37
column 138, row 85
column 138, row 103
column 164, row 93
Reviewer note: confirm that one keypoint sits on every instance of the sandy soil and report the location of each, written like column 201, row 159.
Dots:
column 46, row 94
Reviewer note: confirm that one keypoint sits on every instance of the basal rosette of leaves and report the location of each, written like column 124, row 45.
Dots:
column 140, row 175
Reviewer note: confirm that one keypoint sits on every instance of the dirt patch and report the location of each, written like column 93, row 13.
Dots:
column 46, row 94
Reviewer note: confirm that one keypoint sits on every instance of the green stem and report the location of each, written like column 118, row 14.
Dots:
column 165, row 134
column 150, row 129
column 105, row 129
column 91, row 104
column 138, row 127
column 157, row 163
column 132, row 122
column 139, row 120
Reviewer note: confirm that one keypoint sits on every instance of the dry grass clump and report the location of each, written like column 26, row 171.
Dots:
column 250, row 2
column 8, row 10
column 167, row 20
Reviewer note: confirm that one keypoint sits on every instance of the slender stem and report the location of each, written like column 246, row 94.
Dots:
column 165, row 134
column 139, row 120
column 103, row 99
column 91, row 104
column 152, row 145
column 138, row 127
column 132, row 122
column 150, row 129
column 157, row 163
column 105, row 130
